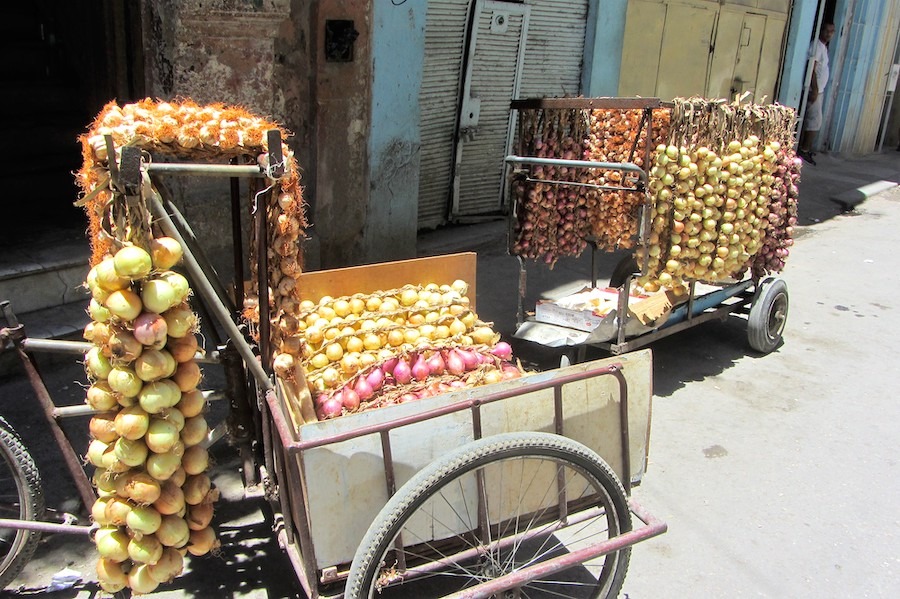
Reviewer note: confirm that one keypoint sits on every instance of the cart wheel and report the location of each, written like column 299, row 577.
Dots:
column 768, row 315
column 22, row 498
column 430, row 540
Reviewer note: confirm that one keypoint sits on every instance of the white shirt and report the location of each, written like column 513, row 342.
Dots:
column 819, row 53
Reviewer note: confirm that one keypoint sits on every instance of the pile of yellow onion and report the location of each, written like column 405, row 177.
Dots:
column 148, row 434
column 370, row 350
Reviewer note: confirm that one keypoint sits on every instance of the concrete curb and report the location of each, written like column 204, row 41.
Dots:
column 849, row 200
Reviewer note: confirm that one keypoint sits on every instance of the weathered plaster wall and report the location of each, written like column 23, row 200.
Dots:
column 398, row 48
column 342, row 121
column 251, row 53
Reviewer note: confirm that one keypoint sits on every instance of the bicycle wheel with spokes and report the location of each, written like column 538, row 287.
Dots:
column 21, row 498
column 518, row 509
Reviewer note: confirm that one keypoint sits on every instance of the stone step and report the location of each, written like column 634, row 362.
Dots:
column 47, row 272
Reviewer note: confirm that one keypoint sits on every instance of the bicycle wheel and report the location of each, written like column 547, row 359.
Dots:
column 432, row 540
column 21, row 498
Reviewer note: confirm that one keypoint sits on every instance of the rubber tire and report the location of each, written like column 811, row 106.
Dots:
column 29, row 493
column 771, row 303
column 469, row 457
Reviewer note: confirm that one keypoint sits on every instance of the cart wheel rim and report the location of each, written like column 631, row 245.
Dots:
column 777, row 316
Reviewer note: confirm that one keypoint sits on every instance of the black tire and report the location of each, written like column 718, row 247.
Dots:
column 423, row 497
column 21, row 498
column 768, row 315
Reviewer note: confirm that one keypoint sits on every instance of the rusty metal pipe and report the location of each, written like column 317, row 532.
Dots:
column 205, row 289
column 48, row 527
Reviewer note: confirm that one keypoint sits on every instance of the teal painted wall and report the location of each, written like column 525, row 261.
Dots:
column 398, row 49
column 800, row 32
column 604, row 36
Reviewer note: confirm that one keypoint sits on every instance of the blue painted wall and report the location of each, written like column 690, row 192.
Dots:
column 604, row 37
column 398, row 50
column 800, row 32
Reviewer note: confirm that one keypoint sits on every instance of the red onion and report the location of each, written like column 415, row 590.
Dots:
column 457, row 384
column 455, row 363
column 407, row 397
column 469, row 358
column 502, row 350
column 362, row 389
column 436, row 364
column 420, row 368
column 389, row 364
column 330, row 409
column 151, row 330
column 351, row 399
column 402, row 372
column 375, row 379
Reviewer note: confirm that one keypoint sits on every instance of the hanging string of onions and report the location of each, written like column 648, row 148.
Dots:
column 155, row 499
column 724, row 194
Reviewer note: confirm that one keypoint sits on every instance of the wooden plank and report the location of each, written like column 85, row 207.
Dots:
column 382, row 276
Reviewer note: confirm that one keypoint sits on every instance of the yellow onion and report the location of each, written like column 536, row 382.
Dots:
column 98, row 511
column 171, row 499
column 154, row 364
column 194, row 431
column 132, row 262
column 106, row 278
column 124, row 304
column 187, row 375
column 196, row 488
column 180, row 320
column 179, row 477
column 162, row 435
column 199, row 516
column 162, row 466
column 173, row 531
column 116, row 511
column 140, row 580
column 192, row 403
column 123, row 347
column 179, row 284
column 159, row 395
column 183, row 349
column 112, row 543
column 158, row 295
column 165, row 252
column 132, row 422
column 124, row 381
column 202, row 541
column 98, row 365
column 101, row 396
column 131, row 452
column 145, row 549
column 96, row 450
column 195, row 460
column 103, row 426
column 143, row 519
column 110, row 575
column 140, row 487
column 170, row 565
column 99, row 312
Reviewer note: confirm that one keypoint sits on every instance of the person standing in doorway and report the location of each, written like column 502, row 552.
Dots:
column 812, row 120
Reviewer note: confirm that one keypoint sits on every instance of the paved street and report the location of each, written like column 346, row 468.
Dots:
column 777, row 475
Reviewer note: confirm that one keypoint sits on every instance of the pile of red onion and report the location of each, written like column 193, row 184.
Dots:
column 425, row 372
column 782, row 216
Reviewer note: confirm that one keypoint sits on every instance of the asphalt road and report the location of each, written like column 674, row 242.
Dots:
column 776, row 474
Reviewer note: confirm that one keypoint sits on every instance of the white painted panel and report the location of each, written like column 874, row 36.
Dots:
column 492, row 78
column 445, row 30
column 554, row 51
column 351, row 473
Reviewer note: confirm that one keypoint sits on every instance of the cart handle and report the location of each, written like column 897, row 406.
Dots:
column 620, row 166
